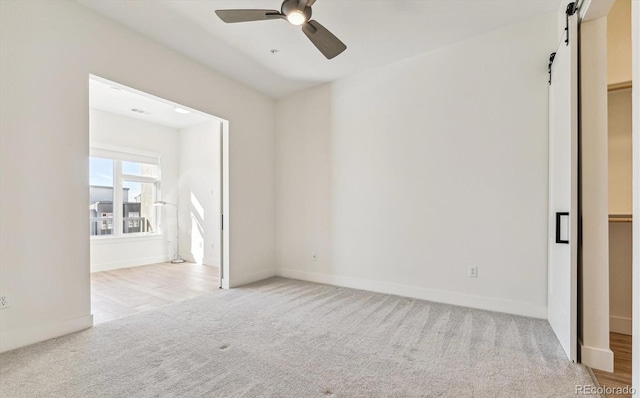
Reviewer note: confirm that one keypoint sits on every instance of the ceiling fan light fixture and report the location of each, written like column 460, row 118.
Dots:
column 296, row 18
column 297, row 13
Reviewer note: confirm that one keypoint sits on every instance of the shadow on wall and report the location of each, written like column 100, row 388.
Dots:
column 197, row 229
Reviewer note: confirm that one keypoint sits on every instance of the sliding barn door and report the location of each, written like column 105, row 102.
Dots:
column 563, row 191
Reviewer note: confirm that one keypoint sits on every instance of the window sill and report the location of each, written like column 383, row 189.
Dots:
column 125, row 238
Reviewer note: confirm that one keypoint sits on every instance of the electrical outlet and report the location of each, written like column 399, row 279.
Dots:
column 5, row 301
column 314, row 256
column 473, row 271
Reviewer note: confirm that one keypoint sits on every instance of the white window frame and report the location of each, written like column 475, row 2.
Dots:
column 118, row 155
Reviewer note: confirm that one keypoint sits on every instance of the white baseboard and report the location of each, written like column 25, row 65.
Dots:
column 189, row 258
column 201, row 261
column 597, row 358
column 238, row 280
column 620, row 324
column 129, row 263
column 440, row 296
column 23, row 337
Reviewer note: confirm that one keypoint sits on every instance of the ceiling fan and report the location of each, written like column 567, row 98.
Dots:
column 297, row 12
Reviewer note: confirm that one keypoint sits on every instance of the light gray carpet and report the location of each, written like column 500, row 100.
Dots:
column 284, row 338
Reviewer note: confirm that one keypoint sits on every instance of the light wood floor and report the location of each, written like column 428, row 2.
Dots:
column 127, row 291
column 621, row 376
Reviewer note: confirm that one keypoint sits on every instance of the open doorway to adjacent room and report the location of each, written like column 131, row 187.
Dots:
column 155, row 201
column 620, row 234
column 619, row 164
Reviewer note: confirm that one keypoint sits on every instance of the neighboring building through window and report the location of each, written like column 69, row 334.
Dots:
column 123, row 189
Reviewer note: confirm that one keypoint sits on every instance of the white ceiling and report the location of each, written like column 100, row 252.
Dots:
column 376, row 32
column 122, row 100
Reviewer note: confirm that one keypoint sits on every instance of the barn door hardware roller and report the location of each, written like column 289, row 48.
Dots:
column 551, row 58
column 571, row 9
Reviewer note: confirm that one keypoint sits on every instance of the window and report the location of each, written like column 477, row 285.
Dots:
column 101, row 196
column 123, row 189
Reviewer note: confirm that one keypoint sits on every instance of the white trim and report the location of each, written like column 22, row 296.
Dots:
column 131, row 262
column 225, row 247
column 206, row 261
column 134, row 237
column 23, row 337
column 118, row 199
column 142, row 179
column 239, row 280
column 113, row 152
column 590, row 9
column 188, row 257
column 597, row 358
column 439, row 296
column 620, row 324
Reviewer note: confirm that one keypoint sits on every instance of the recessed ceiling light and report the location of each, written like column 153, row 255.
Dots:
column 180, row 110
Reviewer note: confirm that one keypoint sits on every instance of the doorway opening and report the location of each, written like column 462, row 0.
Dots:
column 615, row 324
column 620, row 235
column 156, row 200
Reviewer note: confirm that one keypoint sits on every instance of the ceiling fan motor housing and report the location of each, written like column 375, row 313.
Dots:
column 290, row 6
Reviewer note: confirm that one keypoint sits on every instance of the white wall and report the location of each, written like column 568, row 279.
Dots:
column 620, row 202
column 620, row 277
column 199, row 193
column 107, row 128
column 47, row 51
column 404, row 176
column 620, row 153
column 619, row 42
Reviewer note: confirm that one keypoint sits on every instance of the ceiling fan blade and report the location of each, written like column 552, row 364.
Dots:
column 329, row 45
column 305, row 3
column 233, row 16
